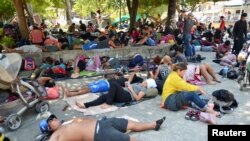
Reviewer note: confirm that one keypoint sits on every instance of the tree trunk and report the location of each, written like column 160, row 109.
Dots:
column 68, row 12
column 171, row 22
column 29, row 11
column 132, row 9
column 21, row 18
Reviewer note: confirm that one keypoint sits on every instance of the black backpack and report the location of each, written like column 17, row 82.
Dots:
column 232, row 74
column 224, row 101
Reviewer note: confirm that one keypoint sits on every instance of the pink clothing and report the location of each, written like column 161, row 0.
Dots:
column 51, row 42
column 228, row 60
column 36, row 36
column 192, row 73
column 167, row 38
column 223, row 49
column 93, row 63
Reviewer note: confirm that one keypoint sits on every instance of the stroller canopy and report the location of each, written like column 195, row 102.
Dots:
column 10, row 65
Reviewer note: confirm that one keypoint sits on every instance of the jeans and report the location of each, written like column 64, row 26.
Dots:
column 194, row 97
column 178, row 100
column 70, row 41
column 189, row 49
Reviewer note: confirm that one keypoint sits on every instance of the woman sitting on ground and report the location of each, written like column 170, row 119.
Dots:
column 88, row 64
column 193, row 72
column 116, row 93
column 223, row 49
column 229, row 60
column 111, row 42
column 177, row 93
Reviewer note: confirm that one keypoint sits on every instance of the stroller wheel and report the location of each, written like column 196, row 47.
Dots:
column 42, row 107
column 14, row 121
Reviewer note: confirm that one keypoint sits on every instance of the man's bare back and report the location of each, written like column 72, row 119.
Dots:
column 78, row 129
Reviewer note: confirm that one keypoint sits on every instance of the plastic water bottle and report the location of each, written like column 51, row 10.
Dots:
column 224, row 72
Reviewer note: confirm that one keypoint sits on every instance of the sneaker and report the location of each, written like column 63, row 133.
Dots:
column 195, row 116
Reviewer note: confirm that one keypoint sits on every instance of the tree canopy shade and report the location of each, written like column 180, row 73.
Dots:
column 6, row 9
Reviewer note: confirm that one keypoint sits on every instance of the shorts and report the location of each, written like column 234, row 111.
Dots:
column 99, row 86
column 112, row 129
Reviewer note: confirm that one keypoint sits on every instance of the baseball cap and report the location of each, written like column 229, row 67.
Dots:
column 44, row 124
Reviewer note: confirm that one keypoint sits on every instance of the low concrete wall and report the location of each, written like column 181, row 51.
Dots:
column 123, row 53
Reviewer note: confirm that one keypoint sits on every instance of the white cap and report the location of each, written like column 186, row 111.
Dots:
column 151, row 83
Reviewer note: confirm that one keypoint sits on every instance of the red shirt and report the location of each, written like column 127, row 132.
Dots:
column 222, row 25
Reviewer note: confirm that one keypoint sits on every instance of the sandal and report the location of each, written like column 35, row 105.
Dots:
column 189, row 114
column 195, row 116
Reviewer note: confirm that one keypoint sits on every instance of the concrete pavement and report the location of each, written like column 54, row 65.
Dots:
column 175, row 128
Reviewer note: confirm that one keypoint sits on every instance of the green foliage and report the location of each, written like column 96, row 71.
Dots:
column 76, row 42
column 46, row 8
column 1, row 32
column 6, row 8
column 8, row 42
column 85, row 7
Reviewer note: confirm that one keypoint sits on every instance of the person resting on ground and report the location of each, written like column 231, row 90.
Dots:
column 116, row 93
column 162, row 72
column 223, row 49
column 111, row 42
column 110, row 62
column 104, row 85
column 25, row 49
column 49, row 67
column 229, row 60
column 177, row 93
column 52, row 44
column 91, row 129
column 194, row 72
column 88, row 64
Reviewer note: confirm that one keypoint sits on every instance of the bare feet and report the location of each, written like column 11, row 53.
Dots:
column 216, row 80
column 211, row 83
column 105, row 106
column 66, row 92
column 80, row 105
column 211, row 111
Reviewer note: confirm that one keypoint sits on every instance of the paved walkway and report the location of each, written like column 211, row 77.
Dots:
column 175, row 128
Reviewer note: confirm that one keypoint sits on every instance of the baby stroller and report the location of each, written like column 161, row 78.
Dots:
column 16, row 96
column 244, row 69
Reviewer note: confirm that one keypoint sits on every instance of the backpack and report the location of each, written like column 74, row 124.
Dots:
column 224, row 101
column 28, row 64
column 232, row 74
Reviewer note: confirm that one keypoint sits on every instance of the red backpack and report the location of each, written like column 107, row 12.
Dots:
column 28, row 64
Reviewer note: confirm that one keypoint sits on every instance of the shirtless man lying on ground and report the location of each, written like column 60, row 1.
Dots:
column 90, row 129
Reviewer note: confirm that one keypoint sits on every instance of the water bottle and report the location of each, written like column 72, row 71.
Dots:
column 225, row 71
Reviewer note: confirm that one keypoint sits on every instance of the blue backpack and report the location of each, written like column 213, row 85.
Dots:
column 89, row 46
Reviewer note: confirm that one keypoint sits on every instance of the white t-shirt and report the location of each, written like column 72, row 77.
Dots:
column 29, row 49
